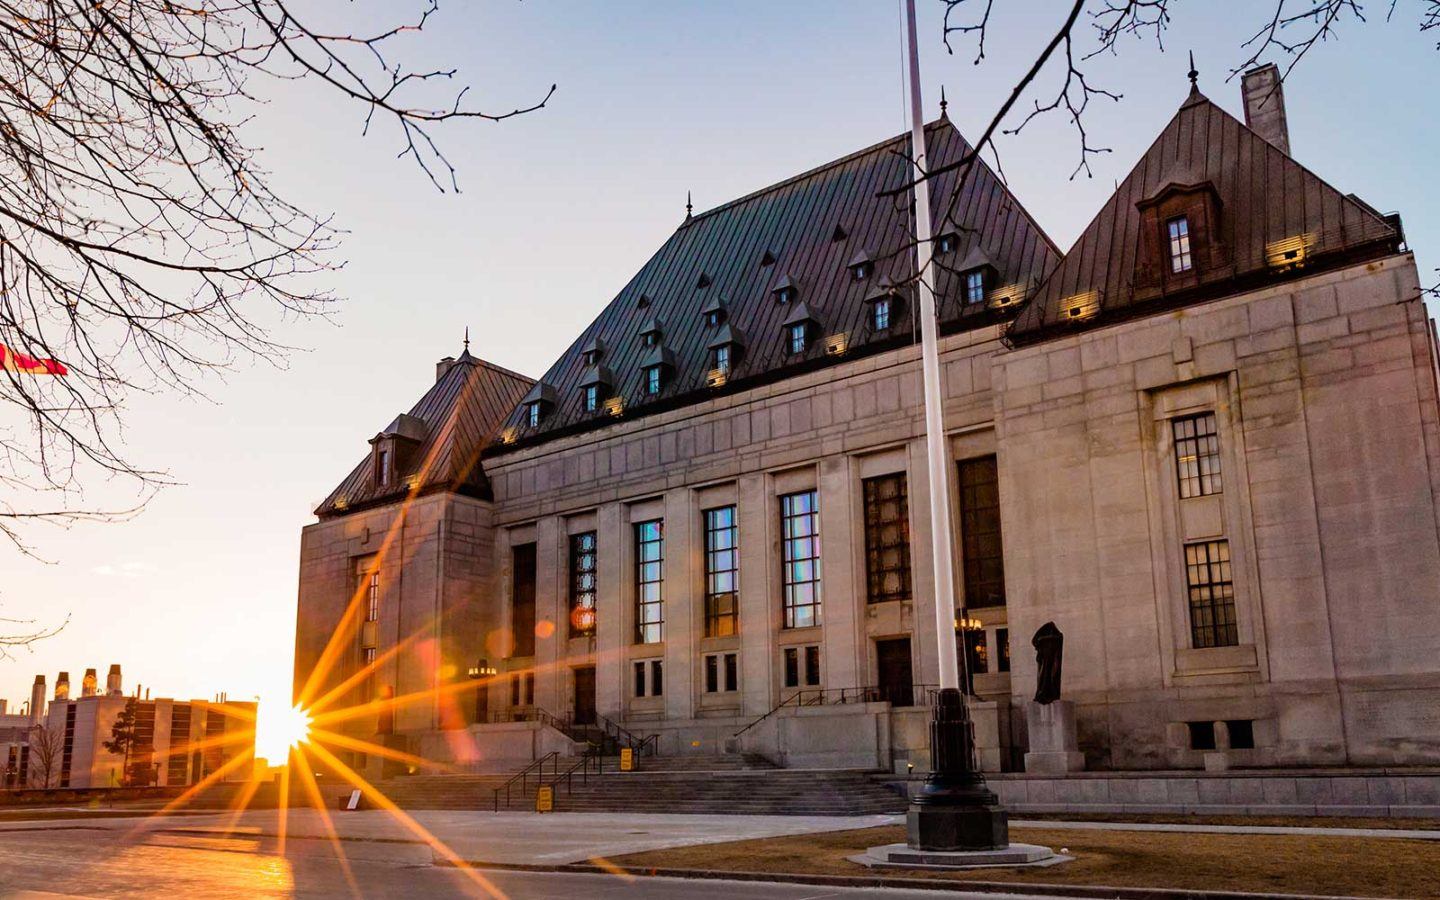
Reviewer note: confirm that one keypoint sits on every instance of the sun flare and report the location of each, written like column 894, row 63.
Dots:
column 278, row 728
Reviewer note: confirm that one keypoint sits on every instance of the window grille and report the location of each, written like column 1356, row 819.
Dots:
column 582, row 584
column 649, row 574
column 721, row 572
column 800, row 558
column 887, row 538
column 1212, row 594
column 1197, row 455
column 984, row 562
column 1180, row 260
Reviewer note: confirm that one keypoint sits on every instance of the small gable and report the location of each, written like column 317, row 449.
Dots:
column 1210, row 209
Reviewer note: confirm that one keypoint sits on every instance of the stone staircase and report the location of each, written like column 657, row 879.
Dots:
column 732, row 784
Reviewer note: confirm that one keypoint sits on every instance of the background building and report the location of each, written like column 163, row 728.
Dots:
column 176, row 742
column 1203, row 443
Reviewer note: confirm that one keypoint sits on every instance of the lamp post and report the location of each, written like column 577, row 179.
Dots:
column 953, row 809
column 482, row 670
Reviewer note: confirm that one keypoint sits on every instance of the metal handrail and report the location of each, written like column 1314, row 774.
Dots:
column 523, row 776
column 582, row 766
column 839, row 696
column 645, row 746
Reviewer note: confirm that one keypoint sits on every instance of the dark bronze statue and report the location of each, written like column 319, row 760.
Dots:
column 1049, row 645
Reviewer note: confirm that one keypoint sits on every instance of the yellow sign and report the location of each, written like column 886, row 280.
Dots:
column 545, row 799
column 627, row 759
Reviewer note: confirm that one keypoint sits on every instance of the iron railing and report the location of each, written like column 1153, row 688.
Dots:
column 645, row 746
column 522, row 777
column 918, row 695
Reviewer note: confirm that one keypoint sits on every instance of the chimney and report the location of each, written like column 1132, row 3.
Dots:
column 443, row 366
column 4, row 706
column 89, row 683
column 1265, row 105
column 62, row 686
column 37, row 699
column 112, row 681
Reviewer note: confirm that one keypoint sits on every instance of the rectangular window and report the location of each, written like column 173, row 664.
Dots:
column 582, row 584
column 812, row 665
column 722, row 358
column 1212, row 594
column 975, row 286
column 639, row 679
column 649, row 575
column 652, row 380
column 522, row 599
column 382, row 467
column 721, row 673
column 880, row 315
column 980, row 532
column 370, row 584
column 657, row 677
column 1002, row 641
column 1242, row 734
column 792, row 667
column 515, row 690
column 367, row 655
column 796, row 337
column 887, row 538
column 721, row 572
column 529, row 688
column 592, row 398
column 1197, row 455
column 1179, row 228
column 800, row 558
column 532, row 412
column 1202, row 735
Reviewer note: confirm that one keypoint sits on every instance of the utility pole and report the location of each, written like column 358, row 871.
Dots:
column 954, row 810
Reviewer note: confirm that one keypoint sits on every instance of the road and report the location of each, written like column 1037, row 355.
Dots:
column 79, row 860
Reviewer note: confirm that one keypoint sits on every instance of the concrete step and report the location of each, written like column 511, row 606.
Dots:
column 712, row 785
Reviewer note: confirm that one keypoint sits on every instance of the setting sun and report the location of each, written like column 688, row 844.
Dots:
column 279, row 727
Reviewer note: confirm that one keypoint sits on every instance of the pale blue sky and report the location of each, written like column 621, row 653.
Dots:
column 558, row 209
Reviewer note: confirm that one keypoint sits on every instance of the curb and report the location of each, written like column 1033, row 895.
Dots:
column 931, row 884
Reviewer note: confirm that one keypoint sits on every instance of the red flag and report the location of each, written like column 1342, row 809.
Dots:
column 12, row 361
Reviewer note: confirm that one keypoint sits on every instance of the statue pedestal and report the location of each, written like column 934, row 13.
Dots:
column 1053, row 747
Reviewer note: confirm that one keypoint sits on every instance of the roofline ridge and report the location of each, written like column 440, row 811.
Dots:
column 810, row 173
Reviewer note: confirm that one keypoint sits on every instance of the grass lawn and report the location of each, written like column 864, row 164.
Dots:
column 1300, row 864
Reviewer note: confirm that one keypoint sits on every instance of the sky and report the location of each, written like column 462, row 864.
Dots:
column 557, row 210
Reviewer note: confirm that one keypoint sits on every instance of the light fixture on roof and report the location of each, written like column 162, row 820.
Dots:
column 614, row 406
column 1078, row 307
column 717, row 377
column 1007, row 295
column 1289, row 253
column 837, row 344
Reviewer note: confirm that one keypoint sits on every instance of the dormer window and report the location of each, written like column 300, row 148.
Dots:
column 946, row 243
column 712, row 318
column 720, row 358
column 861, row 267
column 591, row 357
column 537, row 403
column 590, row 398
column 654, row 380
column 1179, row 232
column 796, row 337
column 652, row 338
column 974, row 286
column 532, row 414
column 784, row 290
column 382, row 467
column 880, row 314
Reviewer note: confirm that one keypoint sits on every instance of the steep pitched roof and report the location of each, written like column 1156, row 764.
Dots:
column 456, row 419
column 788, row 231
column 1265, row 200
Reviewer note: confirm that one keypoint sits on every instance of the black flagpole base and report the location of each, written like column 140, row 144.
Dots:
column 954, row 810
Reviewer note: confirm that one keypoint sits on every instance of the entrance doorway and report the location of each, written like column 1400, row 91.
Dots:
column 584, row 713
column 892, row 658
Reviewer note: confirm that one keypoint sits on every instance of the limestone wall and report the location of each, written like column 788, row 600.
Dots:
column 1324, row 391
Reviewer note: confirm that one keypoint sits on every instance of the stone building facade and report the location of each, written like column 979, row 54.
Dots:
column 1203, row 443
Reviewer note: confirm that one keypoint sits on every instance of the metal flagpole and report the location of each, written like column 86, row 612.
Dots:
column 953, row 810
column 937, row 455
